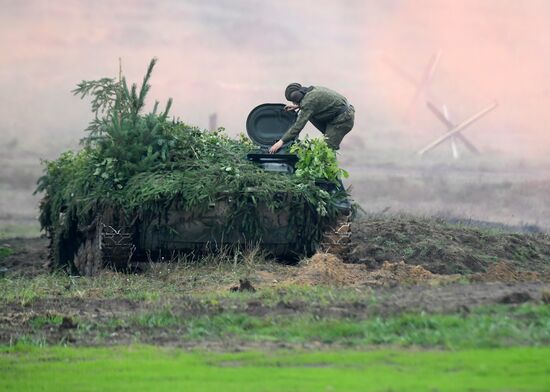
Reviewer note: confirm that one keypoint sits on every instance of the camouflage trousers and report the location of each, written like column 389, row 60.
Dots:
column 339, row 127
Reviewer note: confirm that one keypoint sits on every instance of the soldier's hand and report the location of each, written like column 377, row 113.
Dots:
column 276, row 147
column 290, row 108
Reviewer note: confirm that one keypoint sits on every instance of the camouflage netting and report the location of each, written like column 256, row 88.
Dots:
column 138, row 165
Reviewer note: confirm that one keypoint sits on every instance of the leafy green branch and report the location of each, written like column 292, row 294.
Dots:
column 317, row 161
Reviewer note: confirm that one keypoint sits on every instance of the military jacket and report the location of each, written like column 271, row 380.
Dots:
column 320, row 106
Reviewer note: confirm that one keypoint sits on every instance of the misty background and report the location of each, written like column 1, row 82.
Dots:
column 228, row 56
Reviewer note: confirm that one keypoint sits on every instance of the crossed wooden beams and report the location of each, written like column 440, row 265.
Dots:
column 454, row 130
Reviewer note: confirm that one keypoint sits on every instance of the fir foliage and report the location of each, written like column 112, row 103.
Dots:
column 141, row 164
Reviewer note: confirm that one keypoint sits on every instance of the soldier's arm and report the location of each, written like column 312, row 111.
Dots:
column 295, row 129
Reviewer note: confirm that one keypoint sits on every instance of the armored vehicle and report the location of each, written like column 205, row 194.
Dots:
column 113, row 240
column 147, row 188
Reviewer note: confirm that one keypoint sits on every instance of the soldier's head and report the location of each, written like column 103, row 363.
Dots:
column 294, row 92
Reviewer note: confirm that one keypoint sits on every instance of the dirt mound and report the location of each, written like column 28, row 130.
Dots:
column 393, row 274
column 504, row 271
column 445, row 248
column 327, row 269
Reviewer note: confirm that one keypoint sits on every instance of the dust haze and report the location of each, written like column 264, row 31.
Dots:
column 226, row 57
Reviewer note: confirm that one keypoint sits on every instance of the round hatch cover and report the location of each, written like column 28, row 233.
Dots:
column 268, row 122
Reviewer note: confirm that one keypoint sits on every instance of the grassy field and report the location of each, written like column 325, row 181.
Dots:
column 400, row 319
column 29, row 230
column 145, row 368
column 230, row 324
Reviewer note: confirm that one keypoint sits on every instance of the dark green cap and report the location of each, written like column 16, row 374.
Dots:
column 292, row 87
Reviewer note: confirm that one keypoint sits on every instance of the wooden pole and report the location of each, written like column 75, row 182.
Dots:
column 213, row 122
column 423, row 85
column 454, row 148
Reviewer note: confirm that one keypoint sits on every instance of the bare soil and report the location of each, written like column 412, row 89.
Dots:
column 28, row 258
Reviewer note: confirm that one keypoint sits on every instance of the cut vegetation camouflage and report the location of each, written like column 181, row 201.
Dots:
column 135, row 167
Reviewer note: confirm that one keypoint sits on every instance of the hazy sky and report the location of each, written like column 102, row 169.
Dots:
column 227, row 56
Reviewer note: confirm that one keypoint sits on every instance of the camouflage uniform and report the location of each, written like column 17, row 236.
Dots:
column 328, row 111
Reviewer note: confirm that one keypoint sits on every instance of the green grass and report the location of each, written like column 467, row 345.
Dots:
column 159, row 319
column 38, row 322
column 487, row 327
column 20, row 231
column 138, row 368
column 205, row 282
column 5, row 252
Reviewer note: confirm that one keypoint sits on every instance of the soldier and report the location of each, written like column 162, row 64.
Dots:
column 327, row 110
